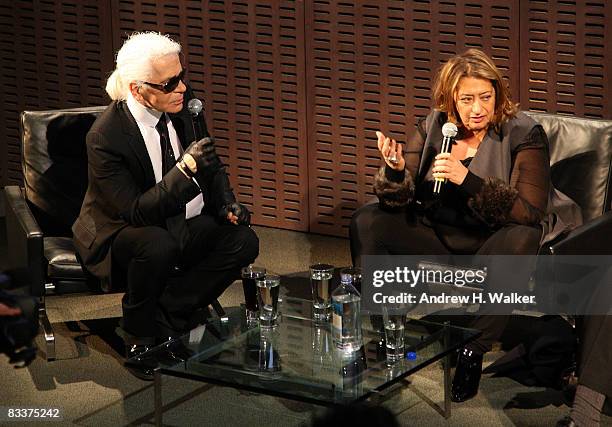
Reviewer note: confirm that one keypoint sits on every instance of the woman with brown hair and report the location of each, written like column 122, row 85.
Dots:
column 496, row 195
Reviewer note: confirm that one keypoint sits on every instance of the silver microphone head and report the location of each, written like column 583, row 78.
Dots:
column 194, row 106
column 449, row 130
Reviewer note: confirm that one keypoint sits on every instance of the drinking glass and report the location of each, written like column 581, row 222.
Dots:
column 320, row 283
column 250, row 275
column 268, row 288
column 394, row 319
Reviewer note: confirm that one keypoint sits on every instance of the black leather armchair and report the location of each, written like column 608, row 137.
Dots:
column 40, row 215
column 581, row 167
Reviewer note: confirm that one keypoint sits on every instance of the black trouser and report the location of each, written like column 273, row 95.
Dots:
column 155, row 304
column 377, row 232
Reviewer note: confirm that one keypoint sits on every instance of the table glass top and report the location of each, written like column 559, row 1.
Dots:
column 298, row 359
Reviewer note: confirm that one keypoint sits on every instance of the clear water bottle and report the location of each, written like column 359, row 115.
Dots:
column 346, row 309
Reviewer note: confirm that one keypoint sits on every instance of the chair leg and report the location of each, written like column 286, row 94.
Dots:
column 47, row 330
column 220, row 311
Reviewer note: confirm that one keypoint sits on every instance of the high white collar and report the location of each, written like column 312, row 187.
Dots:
column 146, row 116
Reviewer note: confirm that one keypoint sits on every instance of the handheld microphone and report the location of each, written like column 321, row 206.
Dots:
column 449, row 132
column 195, row 108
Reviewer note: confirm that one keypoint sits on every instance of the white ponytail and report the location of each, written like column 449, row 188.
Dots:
column 134, row 61
column 114, row 88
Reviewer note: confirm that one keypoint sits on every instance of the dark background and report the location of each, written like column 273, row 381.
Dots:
column 294, row 90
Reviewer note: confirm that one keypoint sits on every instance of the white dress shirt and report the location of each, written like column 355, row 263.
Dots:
column 147, row 119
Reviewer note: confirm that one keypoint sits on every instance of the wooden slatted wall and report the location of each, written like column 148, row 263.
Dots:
column 567, row 61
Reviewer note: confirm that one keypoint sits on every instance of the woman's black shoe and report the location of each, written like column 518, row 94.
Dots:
column 138, row 363
column 467, row 375
column 175, row 351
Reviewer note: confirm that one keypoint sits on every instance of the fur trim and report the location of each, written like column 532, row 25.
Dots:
column 494, row 201
column 393, row 194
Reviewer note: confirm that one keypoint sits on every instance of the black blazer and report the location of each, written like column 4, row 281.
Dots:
column 122, row 189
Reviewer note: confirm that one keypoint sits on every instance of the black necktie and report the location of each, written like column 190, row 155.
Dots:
column 167, row 153
column 176, row 225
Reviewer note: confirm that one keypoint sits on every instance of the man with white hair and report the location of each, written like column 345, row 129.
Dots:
column 146, row 213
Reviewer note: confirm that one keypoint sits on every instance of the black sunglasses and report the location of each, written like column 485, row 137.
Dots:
column 171, row 84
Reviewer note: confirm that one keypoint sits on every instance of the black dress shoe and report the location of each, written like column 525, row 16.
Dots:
column 176, row 351
column 566, row 422
column 467, row 375
column 139, row 363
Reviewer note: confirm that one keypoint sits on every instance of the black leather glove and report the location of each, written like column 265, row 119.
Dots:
column 238, row 209
column 204, row 159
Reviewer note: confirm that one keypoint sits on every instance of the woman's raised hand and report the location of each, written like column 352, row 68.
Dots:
column 391, row 152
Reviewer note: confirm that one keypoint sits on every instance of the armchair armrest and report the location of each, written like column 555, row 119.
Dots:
column 591, row 238
column 25, row 242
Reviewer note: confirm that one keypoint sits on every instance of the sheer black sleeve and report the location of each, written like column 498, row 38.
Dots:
column 396, row 188
column 524, row 200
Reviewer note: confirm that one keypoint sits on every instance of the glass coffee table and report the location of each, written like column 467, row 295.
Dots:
column 297, row 359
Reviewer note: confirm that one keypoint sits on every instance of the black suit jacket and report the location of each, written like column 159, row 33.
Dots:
column 122, row 189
